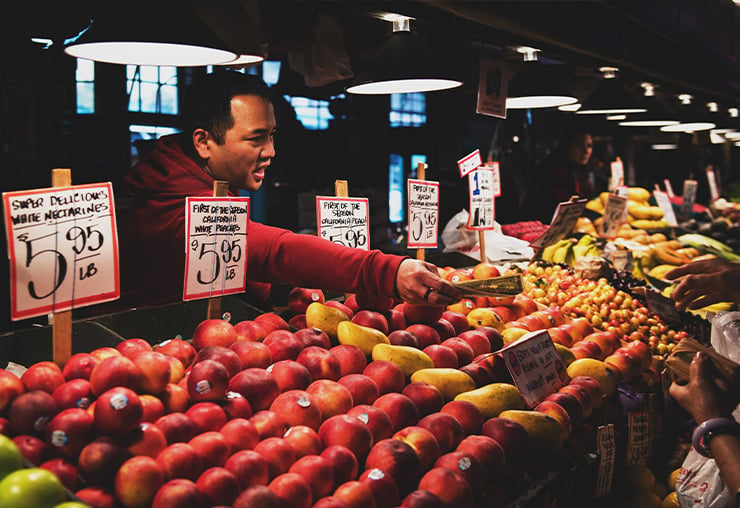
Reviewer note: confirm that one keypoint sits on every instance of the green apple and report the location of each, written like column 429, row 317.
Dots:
column 10, row 456
column 31, row 488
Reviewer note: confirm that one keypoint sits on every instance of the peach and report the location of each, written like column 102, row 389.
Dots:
column 318, row 472
column 355, row 494
column 219, row 486
column 250, row 331
column 213, row 332
column 398, row 459
column 421, row 499
column 249, row 467
column 343, row 461
column 423, row 442
column 256, row 385
column 271, row 321
column 457, row 319
column 427, row 334
column 442, row 356
column 375, row 418
column 206, row 416
column 290, row 375
column 449, row 487
column 404, row 338
column 383, row 487
column 464, row 464
column 427, row 397
column 180, row 349
column 257, row 496
column 352, row 359
column 445, row 428
column 364, row 390
column 283, row 344
column 511, row 435
column 371, row 319
column 304, row 440
column 213, row 447
column 331, row 397
column 297, row 407
column 487, row 450
column 400, row 408
column 477, row 340
column 138, row 481
column 178, row 492
column 277, row 453
column 462, row 349
column 268, row 424
column 241, row 434
column 320, row 362
column 387, row 376
column 466, row 413
column 348, row 431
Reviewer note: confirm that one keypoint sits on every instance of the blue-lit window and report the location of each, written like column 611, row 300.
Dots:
column 408, row 110
column 152, row 89
column 139, row 133
column 85, row 86
column 313, row 114
column 396, row 182
column 271, row 72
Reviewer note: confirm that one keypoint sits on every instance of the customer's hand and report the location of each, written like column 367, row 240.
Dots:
column 418, row 282
column 700, row 397
column 705, row 282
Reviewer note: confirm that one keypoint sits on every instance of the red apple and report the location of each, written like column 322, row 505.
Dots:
column 206, row 416
column 348, row 311
column 257, row 385
column 398, row 459
column 355, row 494
column 283, row 344
column 292, row 489
column 343, row 461
column 174, row 398
column 99, row 460
column 214, row 332
column 180, row 349
column 250, row 331
column 352, row 359
column 318, row 472
column 383, row 487
column 427, row 397
column 297, row 407
column 252, row 354
column 213, row 447
column 363, row 389
column 371, row 319
column 69, row 431
column 73, row 393
column 442, row 356
column 235, row 406
column 299, row 298
column 290, row 375
column 331, row 397
column 33, row 449
column 348, row 431
column 208, row 381
column 583, row 395
column 257, row 496
column 224, row 355
column 97, row 497
column 449, row 487
column 278, row 454
column 444, row 329
column 271, row 321
column 375, row 418
column 177, row 370
column 404, row 338
column 511, row 435
column 303, row 440
column 118, row 411
column 560, row 335
column 79, row 365
column 570, row 403
column 466, row 413
column 487, row 450
column 30, row 412
column 372, row 302
column 112, row 372
column 104, row 352
column 387, row 375
column 298, row 322
column 477, row 340
column 457, row 319
column 249, row 467
column 45, row 376
column 462, row 349
column 445, row 427
column 423, row 314
column 180, row 460
column 464, row 464
column 268, row 424
column 427, row 334
column 241, row 434
column 421, row 499
column 154, row 371
column 313, row 337
column 396, row 319
column 320, row 362
column 132, row 347
column 65, row 470
column 557, row 412
column 138, row 481
column 147, row 439
column 400, row 408
column 219, row 486
column 178, row 493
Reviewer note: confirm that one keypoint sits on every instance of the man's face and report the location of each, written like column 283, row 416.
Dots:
column 248, row 147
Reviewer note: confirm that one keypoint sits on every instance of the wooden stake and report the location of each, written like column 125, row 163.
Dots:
column 421, row 174
column 61, row 321
column 341, row 190
column 220, row 189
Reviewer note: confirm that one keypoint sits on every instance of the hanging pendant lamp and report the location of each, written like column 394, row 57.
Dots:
column 610, row 97
column 536, row 86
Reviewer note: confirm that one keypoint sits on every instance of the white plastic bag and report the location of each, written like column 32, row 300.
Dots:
column 726, row 339
column 499, row 247
column 699, row 484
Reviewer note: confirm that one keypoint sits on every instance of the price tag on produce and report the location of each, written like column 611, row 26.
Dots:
column 535, row 366
column 469, row 163
column 423, row 212
column 712, row 181
column 344, row 221
column 63, row 248
column 492, row 88
column 617, row 177
column 495, row 168
column 663, row 307
column 606, row 445
column 669, row 188
column 664, row 203
column 613, row 215
column 563, row 222
column 639, row 439
column 215, row 246
column 482, row 206
column 688, row 197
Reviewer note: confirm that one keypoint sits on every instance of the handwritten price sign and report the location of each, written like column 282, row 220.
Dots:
column 63, row 248
column 423, row 213
column 565, row 218
column 482, row 205
column 344, row 221
column 216, row 246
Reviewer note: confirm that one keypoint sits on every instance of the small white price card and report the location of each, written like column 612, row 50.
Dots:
column 639, row 439
column 606, row 446
column 613, row 215
column 495, row 168
column 215, row 246
column 492, row 88
column 565, row 218
column 63, row 248
column 469, row 163
column 664, row 307
column 712, row 181
column 482, row 211
column 535, row 366
column 688, row 197
column 669, row 188
column 344, row 221
column 617, row 176
column 423, row 213
column 664, row 202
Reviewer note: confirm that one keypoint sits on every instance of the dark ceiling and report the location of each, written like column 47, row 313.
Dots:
column 682, row 46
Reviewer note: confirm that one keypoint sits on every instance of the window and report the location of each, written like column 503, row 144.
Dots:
column 85, row 86
column 313, row 114
column 408, row 110
column 396, row 189
column 140, row 134
column 152, row 89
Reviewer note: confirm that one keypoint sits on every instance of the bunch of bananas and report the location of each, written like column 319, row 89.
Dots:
column 567, row 250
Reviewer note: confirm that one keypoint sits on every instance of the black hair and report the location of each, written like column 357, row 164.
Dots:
column 207, row 103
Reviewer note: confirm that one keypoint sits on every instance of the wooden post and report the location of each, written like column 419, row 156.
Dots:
column 220, row 189
column 341, row 190
column 421, row 174
column 61, row 321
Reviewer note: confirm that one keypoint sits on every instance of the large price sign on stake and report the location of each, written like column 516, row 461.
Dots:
column 343, row 221
column 63, row 248
column 482, row 207
column 423, row 213
column 216, row 246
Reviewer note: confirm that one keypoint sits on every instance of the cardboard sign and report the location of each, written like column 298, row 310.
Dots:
column 423, row 212
column 63, row 248
column 613, row 215
column 712, row 181
column 344, row 221
column 565, row 218
column 535, row 366
column 492, row 88
column 664, row 307
column 482, row 207
column 622, row 260
column 215, row 246
column 664, row 203
column 639, row 439
column 617, row 174
column 688, row 197
column 469, row 163
column 669, row 188
column 495, row 168
column 606, row 445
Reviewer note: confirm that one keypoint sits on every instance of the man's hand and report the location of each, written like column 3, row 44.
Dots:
column 419, row 283
column 700, row 397
column 705, row 282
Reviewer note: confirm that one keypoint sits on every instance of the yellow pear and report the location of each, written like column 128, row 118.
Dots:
column 494, row 398
column 324, row 317
column 605, row 375
column 512, row 334
column 544, row 431
column 408, row 358
column 364, row 337
column 449, row 381
column 484, row 316
column 565, row 354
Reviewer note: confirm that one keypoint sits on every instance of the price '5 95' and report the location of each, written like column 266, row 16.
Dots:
column 85, row 244
column 230, row 254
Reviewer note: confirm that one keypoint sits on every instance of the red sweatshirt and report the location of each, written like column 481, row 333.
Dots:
column 152, row 240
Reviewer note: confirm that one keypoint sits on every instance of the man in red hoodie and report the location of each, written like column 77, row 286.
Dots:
column 229, row 135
